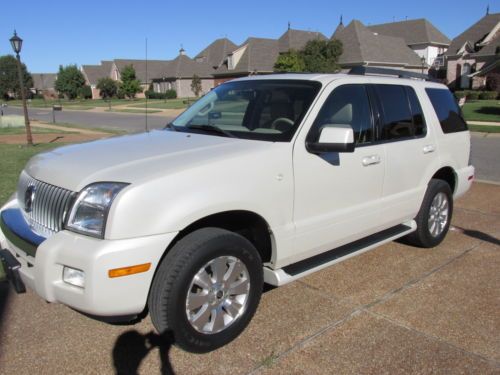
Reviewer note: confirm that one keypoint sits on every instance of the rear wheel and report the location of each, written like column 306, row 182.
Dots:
column 434, row 217
column 206, row 289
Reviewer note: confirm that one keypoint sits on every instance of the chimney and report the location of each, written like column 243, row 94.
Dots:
column 182, row 51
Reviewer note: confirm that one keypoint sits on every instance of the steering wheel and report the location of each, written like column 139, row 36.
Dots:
column 282, row 124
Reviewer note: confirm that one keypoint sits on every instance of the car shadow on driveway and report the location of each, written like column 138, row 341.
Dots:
column 479, row 235
column 131, row 348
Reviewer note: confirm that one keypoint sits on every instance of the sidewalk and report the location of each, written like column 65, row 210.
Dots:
column 487, row 123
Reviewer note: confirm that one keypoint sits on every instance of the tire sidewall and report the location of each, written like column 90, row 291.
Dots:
column 435, row 187
column 226, row 245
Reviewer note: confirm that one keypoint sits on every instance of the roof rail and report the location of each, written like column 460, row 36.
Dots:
column 365, row 70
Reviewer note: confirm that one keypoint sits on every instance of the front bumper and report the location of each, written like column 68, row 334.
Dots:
column 42, row 270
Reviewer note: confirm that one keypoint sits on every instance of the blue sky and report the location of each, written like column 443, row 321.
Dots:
column 64, row 32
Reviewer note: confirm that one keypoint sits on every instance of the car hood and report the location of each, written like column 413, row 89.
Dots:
column 133, row 158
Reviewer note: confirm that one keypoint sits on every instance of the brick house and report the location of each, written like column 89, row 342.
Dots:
column 474, row 54
column 43, row 84
column 93, row 73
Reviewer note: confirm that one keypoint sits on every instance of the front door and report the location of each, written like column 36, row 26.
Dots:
column 337, row 194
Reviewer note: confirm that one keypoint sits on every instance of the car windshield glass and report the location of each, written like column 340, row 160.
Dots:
column 268, row 110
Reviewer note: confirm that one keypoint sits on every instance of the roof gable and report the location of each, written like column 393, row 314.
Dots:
column 215, row 53
column 297, row 39
column 419, row 31
column 474, row 34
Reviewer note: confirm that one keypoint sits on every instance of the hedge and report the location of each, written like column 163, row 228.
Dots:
column 169, row 94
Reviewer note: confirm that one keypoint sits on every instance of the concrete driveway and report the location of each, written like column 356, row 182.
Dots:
column 394, row 310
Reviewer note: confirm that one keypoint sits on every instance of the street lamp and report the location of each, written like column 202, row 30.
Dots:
column 423, row 64
column 17, row 44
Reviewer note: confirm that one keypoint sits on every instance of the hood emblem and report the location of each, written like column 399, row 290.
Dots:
column 29, row 198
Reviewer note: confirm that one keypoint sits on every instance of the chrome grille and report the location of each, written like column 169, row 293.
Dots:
column 48, row 207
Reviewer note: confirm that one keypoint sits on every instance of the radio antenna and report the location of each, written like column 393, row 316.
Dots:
column 147, row 83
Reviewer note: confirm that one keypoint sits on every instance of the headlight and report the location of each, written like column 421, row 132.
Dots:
column 89, row 212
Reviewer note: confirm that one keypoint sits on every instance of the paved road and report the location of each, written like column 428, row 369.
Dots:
column 395, row 310
column 486, row 156
column 131, row 123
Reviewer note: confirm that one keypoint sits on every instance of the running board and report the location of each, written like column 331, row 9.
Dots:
column 305, row 267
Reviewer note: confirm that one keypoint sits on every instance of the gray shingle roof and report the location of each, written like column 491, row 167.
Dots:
column 339, row 28
column 362, row 46
column 155, row 68
column 259, row 56
column 184, row 67
column 43, row 81
column 419, row 31
column 94, row 73
column 297, row 39
column 216, row 52
column 474, row 34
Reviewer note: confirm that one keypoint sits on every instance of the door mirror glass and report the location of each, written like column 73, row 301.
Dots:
column 333, row 138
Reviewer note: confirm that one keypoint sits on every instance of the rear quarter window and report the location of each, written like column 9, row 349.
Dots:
column 447, row 110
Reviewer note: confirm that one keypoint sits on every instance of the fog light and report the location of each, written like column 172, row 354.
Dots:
column 74, row 277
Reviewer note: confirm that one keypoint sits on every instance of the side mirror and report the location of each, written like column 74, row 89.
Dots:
column 333, row 138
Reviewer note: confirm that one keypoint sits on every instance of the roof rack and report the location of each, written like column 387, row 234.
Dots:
column 365, row 70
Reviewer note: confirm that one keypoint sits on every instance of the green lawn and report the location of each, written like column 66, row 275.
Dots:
column 484, row 128
column 482, row 110
column 34, row 130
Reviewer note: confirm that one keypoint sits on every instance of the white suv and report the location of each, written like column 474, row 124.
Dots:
column 264, row 179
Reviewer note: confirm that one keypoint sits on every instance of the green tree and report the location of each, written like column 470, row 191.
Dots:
column 196, row 85
column 85, row 92
column 70, row 81
column 9, row 81
column 290, row 62
column 130, row 85
column 322, row 56
column 107, row 88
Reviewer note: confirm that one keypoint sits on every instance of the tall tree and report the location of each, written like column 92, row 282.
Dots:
column 107, row 87
column 130, row 85
column 291, row 61
column 322, row 56
column 69, row 81
column 196, row 85
column 9, row 81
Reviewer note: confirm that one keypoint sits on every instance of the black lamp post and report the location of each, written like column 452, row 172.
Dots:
column 423, row 64
column 17, row 44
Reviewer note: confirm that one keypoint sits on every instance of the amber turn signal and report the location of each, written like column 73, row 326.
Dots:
column 127, row 271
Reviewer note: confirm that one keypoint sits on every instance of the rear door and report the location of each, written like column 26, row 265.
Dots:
column 410, row 149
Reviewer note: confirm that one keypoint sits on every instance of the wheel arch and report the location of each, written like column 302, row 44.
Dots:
column 448, row 175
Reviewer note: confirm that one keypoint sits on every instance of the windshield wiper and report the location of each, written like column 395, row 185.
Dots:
column 211, row 128
column 171, row 126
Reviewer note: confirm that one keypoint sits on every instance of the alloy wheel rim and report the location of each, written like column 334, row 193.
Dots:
column 218, row 295
column 438, row 214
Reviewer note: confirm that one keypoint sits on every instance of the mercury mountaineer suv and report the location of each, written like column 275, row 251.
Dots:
column 263, row 180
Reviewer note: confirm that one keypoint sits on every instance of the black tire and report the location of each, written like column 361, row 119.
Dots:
column 172, row 282
column 423, row 237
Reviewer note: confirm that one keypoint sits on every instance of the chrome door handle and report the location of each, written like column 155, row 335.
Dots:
column 370, row 160
column 428, row 149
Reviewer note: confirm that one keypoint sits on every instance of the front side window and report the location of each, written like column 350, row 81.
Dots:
column 447, row 110
column 346, row 105
column 268, row 110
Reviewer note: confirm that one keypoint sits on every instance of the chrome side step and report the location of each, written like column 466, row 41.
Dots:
column 305, row 267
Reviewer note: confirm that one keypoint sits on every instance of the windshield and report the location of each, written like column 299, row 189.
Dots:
column 256, row 109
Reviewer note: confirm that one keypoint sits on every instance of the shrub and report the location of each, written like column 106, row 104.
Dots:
column 473, row 95
column 460, row 94
column 85, row 92
column 171, row 94
column 488, row 95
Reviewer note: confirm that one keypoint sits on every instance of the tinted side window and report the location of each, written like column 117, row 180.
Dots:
column 416, row 113
column 346, row 105
column 447, row 110
column 397, row 117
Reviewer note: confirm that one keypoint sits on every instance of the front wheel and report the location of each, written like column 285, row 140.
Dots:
column 434, row 218
column 206, row 289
